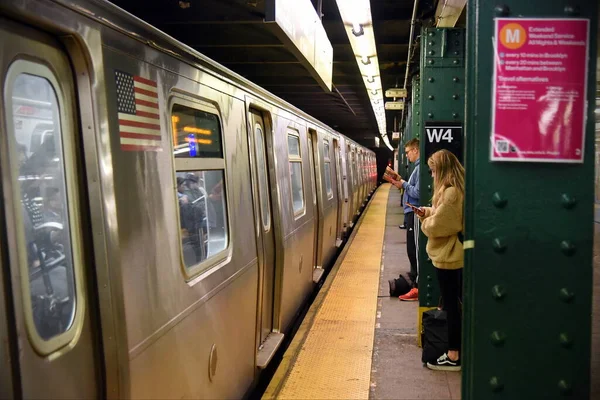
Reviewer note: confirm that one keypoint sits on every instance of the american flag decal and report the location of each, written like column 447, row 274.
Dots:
column 139, row 119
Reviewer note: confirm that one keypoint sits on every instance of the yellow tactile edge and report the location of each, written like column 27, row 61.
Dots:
column 335, row 359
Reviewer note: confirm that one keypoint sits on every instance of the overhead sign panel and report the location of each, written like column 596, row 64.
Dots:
column 394, row 105
column 297, row 25
column 396, row 92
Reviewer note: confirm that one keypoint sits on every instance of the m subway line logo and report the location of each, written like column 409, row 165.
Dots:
column 513, row 36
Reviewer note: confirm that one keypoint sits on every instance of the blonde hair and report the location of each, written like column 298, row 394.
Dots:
column 448, row 173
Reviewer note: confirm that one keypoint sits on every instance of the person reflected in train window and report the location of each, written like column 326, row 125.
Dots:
column 192, row 189
column 181, row 196
column 443, row 225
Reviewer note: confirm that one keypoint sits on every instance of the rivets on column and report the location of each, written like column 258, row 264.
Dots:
column 498, row 338
column 566, row 295
column 431, row 52
column 456, row 53
column 499, row 245
column 431, row 43
column 431, row 80
column 568, row 201
column 499, row 200
column 430, row 115
column 498, row 292
column 564, row 387
column 455, row 96
column 455, row 115
column 429, row 278
column 502, row 10
column 455, row 62
column 431, row 97
column 565, row 341
column 567, row 248
column 431, row 34
column 455, row 79
column 495, row 384
column 431, row 62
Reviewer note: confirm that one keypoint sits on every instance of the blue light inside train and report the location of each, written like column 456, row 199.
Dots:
column 192, row 144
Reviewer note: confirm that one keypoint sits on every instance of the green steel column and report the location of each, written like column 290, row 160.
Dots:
column 417, row 118
column 529, row 228
column 443, row 91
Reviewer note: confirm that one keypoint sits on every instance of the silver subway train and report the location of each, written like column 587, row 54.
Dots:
column 163, row 219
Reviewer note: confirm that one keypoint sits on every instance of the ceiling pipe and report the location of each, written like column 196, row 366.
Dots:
column 409, row 56
column 410, row 40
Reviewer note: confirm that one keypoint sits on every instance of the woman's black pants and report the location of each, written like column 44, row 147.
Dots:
column 451, row 288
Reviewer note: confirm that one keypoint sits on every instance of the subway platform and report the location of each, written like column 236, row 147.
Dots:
column 357, row 342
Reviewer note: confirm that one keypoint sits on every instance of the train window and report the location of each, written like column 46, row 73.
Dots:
column 296, row 172
column 263, row 178
column 40, row 130
column 327, row 166
column 200, row 179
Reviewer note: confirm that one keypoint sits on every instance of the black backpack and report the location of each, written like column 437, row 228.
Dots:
column 399, row 286
column 435, row 335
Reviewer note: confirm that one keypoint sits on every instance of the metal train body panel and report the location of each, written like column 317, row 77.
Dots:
column 153, row 328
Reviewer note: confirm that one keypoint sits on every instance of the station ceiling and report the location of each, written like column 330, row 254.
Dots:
column 233, row 33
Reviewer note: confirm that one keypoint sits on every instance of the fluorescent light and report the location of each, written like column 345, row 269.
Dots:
column 357, row 29
column 358, row 23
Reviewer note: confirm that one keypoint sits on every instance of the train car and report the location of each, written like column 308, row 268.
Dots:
column 163, row 219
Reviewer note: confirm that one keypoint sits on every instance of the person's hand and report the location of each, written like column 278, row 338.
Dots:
column 419, row 211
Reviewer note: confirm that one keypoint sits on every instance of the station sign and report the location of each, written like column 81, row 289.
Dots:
column 396, row 92
column 394, row 105
column 444, row 135
column 539, row 89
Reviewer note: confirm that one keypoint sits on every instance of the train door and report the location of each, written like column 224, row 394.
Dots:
column 44, row 264
column 264, row 169
column 340, row 196
column 313, row 156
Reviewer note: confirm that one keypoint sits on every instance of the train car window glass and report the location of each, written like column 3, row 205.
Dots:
column 201, row 189
column 42, row 169
column 327, row 167
column 263, row 181
column 295, row 161
column 196, row 133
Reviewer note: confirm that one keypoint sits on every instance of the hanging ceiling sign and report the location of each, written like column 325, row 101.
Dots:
column 297, row 25
column 396, row 92
column 539, row 89
column 394, row 105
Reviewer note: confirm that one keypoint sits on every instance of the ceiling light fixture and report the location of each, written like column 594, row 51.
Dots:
column 357, row 29
column 358, row 23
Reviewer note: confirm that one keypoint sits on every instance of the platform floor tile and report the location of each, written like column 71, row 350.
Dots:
column 335, row 359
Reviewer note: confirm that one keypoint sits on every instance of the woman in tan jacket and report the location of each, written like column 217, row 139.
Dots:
column 442, row 225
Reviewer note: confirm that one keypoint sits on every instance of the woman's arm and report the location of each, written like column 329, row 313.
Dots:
column 446, row 220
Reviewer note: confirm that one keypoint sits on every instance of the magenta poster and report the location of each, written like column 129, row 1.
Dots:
column 539, row 93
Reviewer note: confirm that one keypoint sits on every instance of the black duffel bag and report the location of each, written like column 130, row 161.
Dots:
column 399, row 286
column 435, row 335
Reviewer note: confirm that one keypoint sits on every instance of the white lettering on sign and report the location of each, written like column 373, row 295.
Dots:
column 437, row 135
column 513, row 36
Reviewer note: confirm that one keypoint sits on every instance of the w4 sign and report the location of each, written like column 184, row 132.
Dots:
column 443, row 135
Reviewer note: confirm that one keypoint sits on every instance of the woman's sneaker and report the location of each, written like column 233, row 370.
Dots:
column 444, row 363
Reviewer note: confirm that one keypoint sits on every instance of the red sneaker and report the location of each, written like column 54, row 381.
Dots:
column 412, row 295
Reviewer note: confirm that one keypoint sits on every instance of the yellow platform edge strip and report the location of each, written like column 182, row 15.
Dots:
column 333, row 359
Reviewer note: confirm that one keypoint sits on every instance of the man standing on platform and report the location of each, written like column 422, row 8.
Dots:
column 411, row 196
